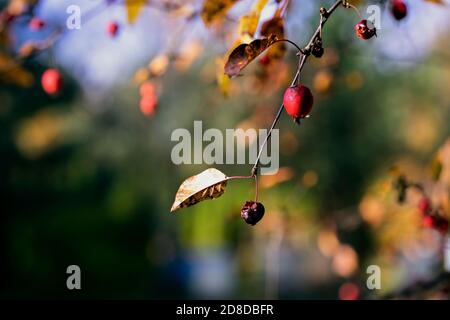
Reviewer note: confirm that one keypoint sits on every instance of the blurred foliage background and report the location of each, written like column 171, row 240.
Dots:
column 86, row 177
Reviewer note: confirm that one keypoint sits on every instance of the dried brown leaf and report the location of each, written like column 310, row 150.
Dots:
column 274, row 26
column 209, row 184
column 243, row 54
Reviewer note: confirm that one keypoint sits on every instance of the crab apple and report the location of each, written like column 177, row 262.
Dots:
column 424, row 206
column 298, row 102
column 148, row 105
column 36, row 24
column 428, row 221
column 265, row 60
column 252, row 212
column 147, row 88
column 113, row 28
column 442, row 225
column 6, row 17
column 399, row 9
column 363, row 31
column 349, row 291
column 52, row 81
column 436, row 222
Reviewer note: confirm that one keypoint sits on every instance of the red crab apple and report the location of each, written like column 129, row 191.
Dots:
column 148, row 105
column 298, row 102
column 51, row 81
column 349, row 291
column 36, row 24
column 399, row 9
column 264, row 61
column 7, row 17
column 424, row 206
column 363, row 31
column 147, row 89
column 113, row 28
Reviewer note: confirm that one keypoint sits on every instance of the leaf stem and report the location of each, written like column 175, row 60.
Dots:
column 289, row 41
column 240, row 177
column 346, row 4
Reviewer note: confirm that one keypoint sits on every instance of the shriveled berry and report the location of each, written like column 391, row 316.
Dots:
column 399, row 9
column 36, row 24
column 442, row 225
column 317, row 49
column 363, row 31
column 52, row 81
column 113, row 28
column 298, row 102
column 252, row 212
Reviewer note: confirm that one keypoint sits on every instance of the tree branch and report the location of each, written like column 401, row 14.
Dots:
column 304, row 54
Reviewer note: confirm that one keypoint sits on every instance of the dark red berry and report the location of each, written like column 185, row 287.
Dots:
column 428, row 221
column 363, row 31
column 424, row 206
column 442, row 225
column 51, row 81
column 252, row 212
column 264, row 61
column 399, row 9
column 436, row 222
column 6, row 17
column 298, row 102
column 36, row 24
column 349, row 291
column 113, row 28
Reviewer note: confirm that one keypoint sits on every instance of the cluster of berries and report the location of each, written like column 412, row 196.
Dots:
column 298, row 102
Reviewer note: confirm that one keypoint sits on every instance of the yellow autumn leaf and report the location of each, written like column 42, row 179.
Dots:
column 223, row 81
column 134, row 8
column 215, row 9
column 249, row 23
column 12, row 72
column 435, row 1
